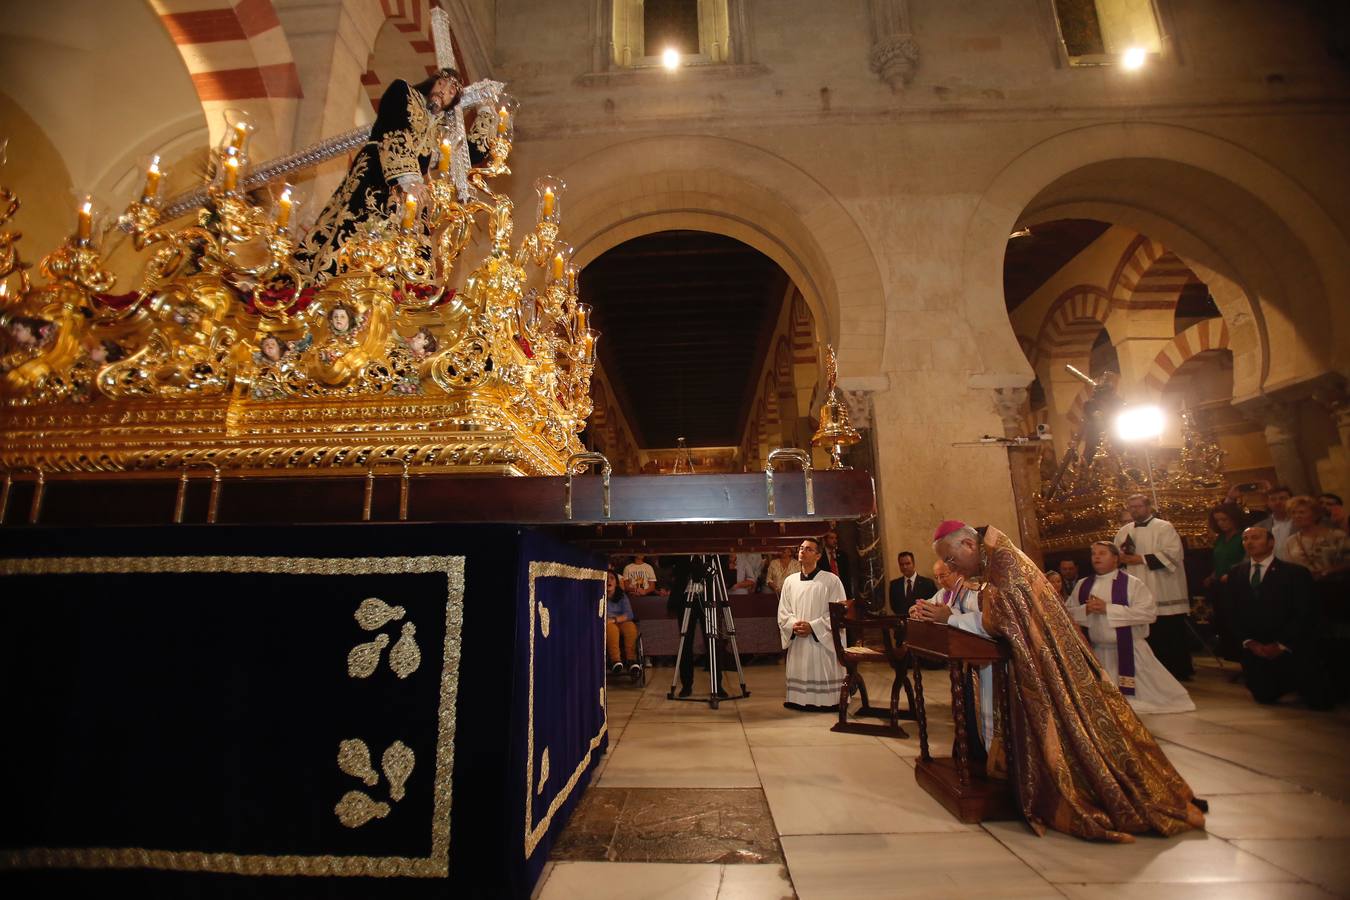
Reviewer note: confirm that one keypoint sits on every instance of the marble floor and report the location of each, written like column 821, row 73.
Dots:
column 754, row 801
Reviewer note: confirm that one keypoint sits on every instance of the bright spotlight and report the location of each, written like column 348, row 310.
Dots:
column 1139, row 423
column 671, row 58
column 1134, row 58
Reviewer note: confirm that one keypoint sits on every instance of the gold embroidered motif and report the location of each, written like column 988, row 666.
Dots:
column 373, row 613
column 397, row 762
column 405, row 657
column 436, row 865
column 356, row 809
column 534, row 832
column 364, row 659
column 543, row 619
column 543, row 774
column 354, row 759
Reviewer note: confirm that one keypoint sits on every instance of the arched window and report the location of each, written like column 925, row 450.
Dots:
column 707, row 32
column 1100, row 32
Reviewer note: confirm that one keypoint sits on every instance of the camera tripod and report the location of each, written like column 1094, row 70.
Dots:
column 708, row 590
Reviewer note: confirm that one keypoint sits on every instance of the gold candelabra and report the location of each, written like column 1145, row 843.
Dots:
column 226, row 353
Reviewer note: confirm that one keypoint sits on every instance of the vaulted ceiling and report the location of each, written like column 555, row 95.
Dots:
column 1031, row 260
column 686, row 318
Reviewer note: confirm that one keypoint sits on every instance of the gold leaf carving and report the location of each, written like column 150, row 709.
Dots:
column 356, row 809
column 543, row 774
column 354, row 759
column 373, row 613
column 405, row 657
column 365, row 658
column 397, row 762
column 543, row 618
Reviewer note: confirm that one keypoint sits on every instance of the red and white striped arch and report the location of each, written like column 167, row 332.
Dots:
column 412, row 18
column 238, row 57
column 1075, row 319
column 1148, row 276
column 1209, row 334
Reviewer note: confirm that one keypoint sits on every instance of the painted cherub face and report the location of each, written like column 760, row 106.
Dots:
column 418, row 344
column 98, row 353
column 339, row 321
column 271, row 348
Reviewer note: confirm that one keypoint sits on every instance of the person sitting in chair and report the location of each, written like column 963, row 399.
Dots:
column 621, row 633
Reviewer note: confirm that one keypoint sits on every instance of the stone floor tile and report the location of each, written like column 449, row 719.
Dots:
column 966, row 866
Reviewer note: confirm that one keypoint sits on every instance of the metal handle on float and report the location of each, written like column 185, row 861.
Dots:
column 212, row 505
column 800, row 456
column 605, row 470
column 40, row 484
column 402, row 487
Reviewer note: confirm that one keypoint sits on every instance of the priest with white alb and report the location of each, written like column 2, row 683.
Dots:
column 1115, row 609
column 814, row 675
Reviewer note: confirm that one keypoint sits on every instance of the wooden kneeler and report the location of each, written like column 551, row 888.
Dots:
column 892, row 630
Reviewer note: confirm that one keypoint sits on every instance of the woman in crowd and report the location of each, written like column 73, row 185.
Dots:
column 1323, row 550
column 1226, row 520
column 621, row 634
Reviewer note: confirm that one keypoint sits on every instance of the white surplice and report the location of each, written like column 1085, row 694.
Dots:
column 814, row 675
column 1159, row 539
column 965, row 606
column 1155, row 690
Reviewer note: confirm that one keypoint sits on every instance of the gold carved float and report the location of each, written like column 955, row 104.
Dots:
column 224, row 355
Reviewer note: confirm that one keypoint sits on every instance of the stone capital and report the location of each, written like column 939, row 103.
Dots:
column 859, row 403
column 895, row 58
column 1011, row 404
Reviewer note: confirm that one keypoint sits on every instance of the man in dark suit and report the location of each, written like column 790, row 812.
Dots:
column 1272, row 603
column 837, row 561
column 910, row 587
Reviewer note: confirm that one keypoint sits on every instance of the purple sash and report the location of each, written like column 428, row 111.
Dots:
column 1124, row 634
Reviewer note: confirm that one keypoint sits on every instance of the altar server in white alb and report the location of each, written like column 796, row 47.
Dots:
column 813, row 673
column 958, row 606
column 1115, row 609
column 1150, row 550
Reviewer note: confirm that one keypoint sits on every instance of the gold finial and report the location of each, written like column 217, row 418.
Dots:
column 835, row 431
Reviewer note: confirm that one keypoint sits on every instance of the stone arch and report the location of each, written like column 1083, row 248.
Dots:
column 1071, row 326
column 412, row 20
column 1211, row 334
column 733, row 188
column 1148, row 276
column 239, row 57
column 1200, row 195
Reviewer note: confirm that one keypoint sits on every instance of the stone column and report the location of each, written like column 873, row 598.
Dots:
column 1024, row 462
column 1335, row 399
column 863, row 455
column 895, row 53
column 1279, row 418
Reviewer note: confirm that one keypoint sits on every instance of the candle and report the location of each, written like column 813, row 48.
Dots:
column 284, row 204
column 503, row 120
column 571, row 279
column 558, row 264
column 444, row 165
column 86, row 220
column 231, row 172
column 583, row 316
column 409, row 210
column 240, row 138
column 152, row 176
column 548, row 202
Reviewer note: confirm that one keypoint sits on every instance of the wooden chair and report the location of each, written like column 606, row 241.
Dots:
column 892, row 630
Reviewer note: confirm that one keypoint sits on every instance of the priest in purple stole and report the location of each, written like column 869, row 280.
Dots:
column 1114, row 609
